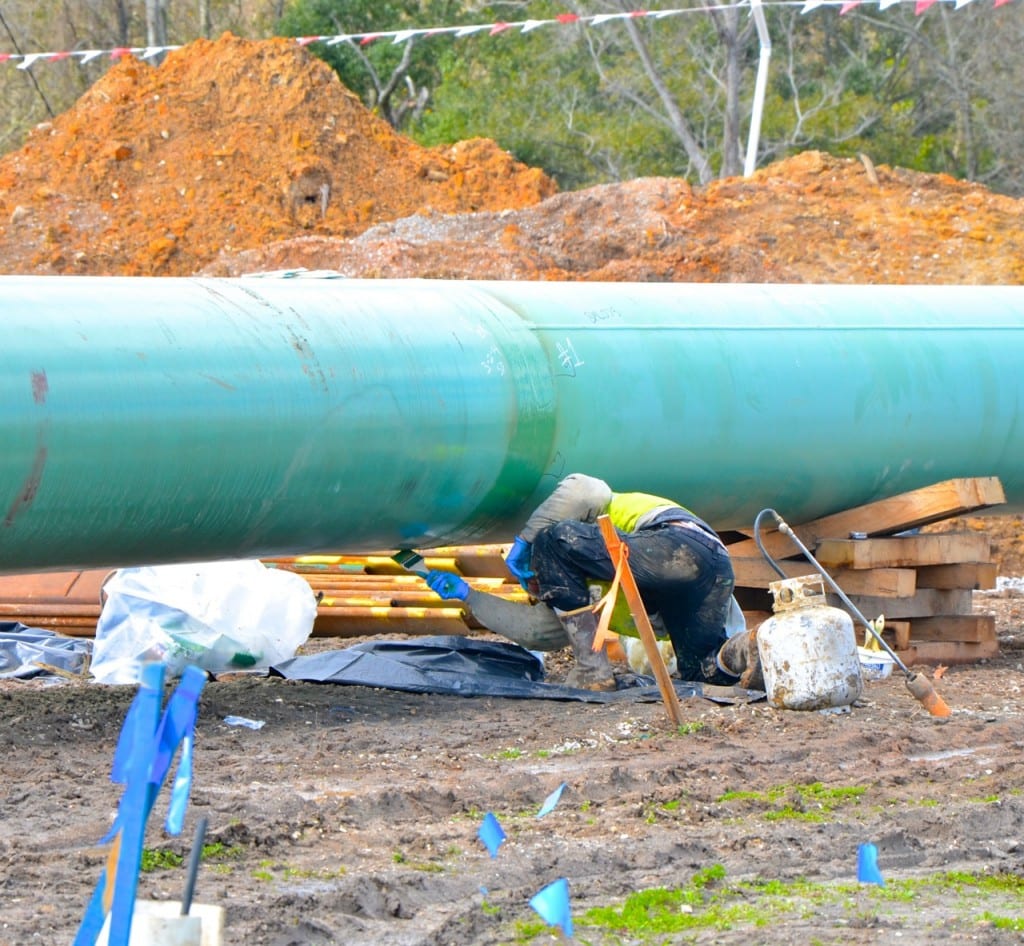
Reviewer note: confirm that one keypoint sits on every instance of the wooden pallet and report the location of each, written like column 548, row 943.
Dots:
column 922, row 582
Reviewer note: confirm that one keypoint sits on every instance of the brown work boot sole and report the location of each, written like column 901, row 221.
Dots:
column 580, row 682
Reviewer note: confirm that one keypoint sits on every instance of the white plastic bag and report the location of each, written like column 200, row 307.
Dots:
column 220, row 616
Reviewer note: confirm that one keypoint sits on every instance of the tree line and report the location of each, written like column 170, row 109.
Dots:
column 628, row 98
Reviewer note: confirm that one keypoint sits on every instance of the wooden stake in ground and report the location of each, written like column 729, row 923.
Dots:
column 618, row 551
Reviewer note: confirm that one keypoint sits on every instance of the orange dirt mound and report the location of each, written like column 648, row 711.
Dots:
column 226, row 146
column 809, row 218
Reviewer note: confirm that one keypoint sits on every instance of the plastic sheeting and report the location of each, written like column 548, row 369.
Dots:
column 23, row 649
column 463, row 666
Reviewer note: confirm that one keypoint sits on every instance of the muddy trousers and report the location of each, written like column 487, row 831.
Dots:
column 683, row 574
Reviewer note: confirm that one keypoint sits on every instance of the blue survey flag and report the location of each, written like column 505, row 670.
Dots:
column 867, row 865
column 552, row 905
column 149, row 740
column 491, row 833
column 551, row 801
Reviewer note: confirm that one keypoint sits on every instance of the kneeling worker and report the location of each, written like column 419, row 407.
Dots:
column 681, row 567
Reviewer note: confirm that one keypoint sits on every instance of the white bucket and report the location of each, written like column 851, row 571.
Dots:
column 808, row 649
column 159, row 923
column 874, row 664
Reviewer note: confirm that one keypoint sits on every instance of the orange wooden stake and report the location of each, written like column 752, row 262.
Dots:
column 636, row 605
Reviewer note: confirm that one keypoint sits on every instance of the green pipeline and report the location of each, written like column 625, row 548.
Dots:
column 160, row 420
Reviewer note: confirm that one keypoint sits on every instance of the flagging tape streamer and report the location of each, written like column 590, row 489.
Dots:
column 146, row 747
column 551, row 903
column 867, row 865
column 491, row 834
column 82, row 56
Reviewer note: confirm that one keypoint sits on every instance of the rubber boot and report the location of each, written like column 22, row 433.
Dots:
column 593, row 671
column 739, row 657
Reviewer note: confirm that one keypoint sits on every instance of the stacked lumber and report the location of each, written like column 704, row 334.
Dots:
column 371, row 594
column 358, row 595
column 922, row 582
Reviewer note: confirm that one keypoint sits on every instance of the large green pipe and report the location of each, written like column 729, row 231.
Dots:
column 159, row 420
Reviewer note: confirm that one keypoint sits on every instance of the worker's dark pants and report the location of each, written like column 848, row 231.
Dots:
column 683, row 574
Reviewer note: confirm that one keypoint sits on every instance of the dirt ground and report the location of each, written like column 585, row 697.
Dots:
column 351, row 816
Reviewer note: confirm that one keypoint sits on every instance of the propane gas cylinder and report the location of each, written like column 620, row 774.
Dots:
column 808, row 649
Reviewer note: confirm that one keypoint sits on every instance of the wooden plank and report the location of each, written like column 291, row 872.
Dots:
column 973, row 575
column 885, row 582
column 755, row 618
column 948, row 653
column 939, row 548
column 331, row 625
column 973, row 628
column 900, row 632
column 909, row 510
column 923, row 603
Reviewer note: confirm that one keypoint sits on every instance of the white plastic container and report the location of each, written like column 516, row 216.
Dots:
column 808, row 648
column 159, row 923
column 874, row 664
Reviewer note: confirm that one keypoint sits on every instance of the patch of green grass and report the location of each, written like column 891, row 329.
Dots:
column 688, row 729
column 542, row 753
column 510, row 753
column 1004, row 922
column 660, row 910
column 525, row 932
column 431, row 867
column 262, row 875
column 308, row 873
column 810, row 802
column 159, row 860
column 709, row 902
column 221, row 859
column 663, row 809
column 989, row 883
column 220, row 852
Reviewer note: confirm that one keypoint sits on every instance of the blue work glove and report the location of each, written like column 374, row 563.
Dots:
column 518, row 560
column 447, row 585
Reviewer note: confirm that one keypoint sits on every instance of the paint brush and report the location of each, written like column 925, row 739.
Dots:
column 411, row 561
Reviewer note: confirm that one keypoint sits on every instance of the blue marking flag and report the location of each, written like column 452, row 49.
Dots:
column 867, row 865
column 551, row 801
column 551, row 903
column 491, row 833
column 145, row 749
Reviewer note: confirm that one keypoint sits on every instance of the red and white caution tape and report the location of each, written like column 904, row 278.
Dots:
column 27, row 60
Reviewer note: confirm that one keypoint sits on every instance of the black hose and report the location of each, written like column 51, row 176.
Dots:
column 760, row 545
column 786, row 529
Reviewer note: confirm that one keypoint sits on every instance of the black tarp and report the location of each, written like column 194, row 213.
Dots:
column 464, row 666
